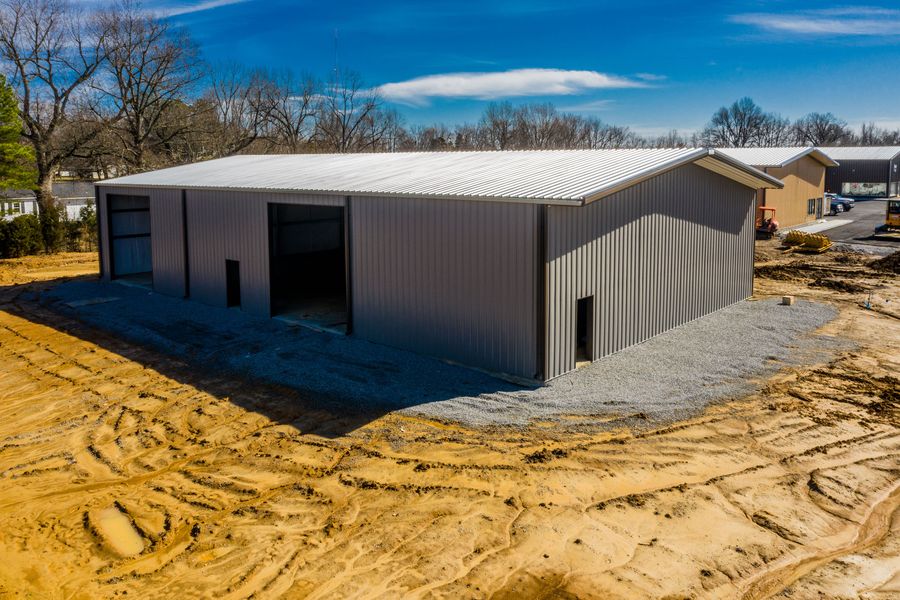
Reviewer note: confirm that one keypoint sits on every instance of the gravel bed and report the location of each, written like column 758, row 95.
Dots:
column 674, row 375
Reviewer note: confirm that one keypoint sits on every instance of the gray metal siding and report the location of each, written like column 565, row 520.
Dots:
column 167, row 242
column 654, row 256
column 234, row 226
column 448, row 278
column 167, row 251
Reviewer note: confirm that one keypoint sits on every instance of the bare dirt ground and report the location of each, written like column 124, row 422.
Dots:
column 115, row 478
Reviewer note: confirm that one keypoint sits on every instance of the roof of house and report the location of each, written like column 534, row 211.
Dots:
column 63, row 189
column 762, row 158
column 542, row 176
column 861, row 152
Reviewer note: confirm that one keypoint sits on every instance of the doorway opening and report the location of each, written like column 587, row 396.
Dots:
column 584, row 331
column 130, row 256
column 233, row 283
column 308, row 270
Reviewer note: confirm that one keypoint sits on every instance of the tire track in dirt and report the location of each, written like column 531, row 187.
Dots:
column 875, row 526
column 241, row 490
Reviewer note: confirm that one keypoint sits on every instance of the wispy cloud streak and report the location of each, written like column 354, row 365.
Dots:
column 850, row 21
column 175, row 10
column 503, row 84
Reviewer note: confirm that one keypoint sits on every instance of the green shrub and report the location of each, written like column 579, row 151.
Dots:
column 53, row 227
column 87, row 217
column 21, row 236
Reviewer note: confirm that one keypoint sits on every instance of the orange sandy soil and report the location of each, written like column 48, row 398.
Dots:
column 115, row 478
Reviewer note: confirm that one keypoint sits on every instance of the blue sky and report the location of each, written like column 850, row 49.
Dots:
column 649, row 64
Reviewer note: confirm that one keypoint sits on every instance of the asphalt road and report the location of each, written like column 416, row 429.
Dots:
column 866, row 215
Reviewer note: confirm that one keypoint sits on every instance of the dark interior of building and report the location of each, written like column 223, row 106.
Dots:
column 129, row 238
column 308, row 264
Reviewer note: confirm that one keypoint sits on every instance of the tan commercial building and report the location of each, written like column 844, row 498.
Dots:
column 802, row 170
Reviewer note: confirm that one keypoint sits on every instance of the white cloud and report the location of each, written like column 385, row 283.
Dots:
column 830, row 21
column 503, row 84
column 186, row 9
column 588, row 107
column 650, row 77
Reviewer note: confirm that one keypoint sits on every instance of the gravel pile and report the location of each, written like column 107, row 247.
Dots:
column 673, row 375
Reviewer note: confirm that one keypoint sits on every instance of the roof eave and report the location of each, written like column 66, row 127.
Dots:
column 343, row 193
column 628, row 182
column 767, row 180
column 822, row 157
column 774, row 183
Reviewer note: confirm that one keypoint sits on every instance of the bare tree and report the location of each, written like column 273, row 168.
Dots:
column 382, row 131
column 821, row 129
column 51, row 51
column 293, row 105
column 498, row 125
column 774, row 130
column 432, row 137
column 570, row 131
column 150, row 66
column 735, row 126
column 537, row 127
column 467, row 137
column 672, row 139
column 346, row 109
column 241, row 104
column 599, row 135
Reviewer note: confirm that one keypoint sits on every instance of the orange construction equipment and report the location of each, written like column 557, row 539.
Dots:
column 766, row 225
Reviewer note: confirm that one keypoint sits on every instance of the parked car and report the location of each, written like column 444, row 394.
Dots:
column 836, row 207
column 846, row 203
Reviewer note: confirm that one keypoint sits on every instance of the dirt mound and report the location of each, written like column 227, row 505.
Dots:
column 888, row 264
column 850, row 257
column 785, row 272
column 840, row 285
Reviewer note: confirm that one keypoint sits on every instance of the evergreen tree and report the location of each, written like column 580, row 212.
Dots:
column 17, row 164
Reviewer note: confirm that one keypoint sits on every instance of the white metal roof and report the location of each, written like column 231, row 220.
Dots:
column 762, row 158
column 861, row 152
column 548, row 176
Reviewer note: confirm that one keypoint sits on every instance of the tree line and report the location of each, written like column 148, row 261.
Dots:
column 107, row 90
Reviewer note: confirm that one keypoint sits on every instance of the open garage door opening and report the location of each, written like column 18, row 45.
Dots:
column 129, row 238
column 307, row 258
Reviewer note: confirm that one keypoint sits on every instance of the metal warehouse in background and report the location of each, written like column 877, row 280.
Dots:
column 868, row 171
column 802, row 170
column 525, row 263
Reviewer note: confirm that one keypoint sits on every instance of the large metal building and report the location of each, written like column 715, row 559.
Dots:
column 801, row 169
column 865, row 171
column 523, row 263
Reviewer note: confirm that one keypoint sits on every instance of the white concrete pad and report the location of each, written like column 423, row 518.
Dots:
column 820, row 226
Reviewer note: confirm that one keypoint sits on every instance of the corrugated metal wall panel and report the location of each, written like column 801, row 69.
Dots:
column 166, row 244
column 654, row 256
column 234, row 226
column 448, row 278
column 857, row 171
column 167, row 241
